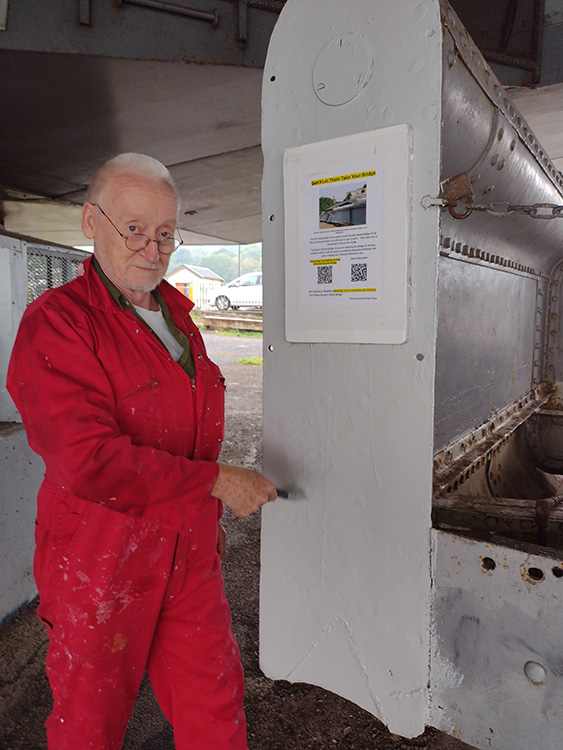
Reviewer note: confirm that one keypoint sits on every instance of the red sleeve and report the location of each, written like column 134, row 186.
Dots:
column 68, row 408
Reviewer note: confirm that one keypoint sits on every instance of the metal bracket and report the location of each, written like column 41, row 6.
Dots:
column 212, row 17
column 243, row 20
column 3, row 15
column 453, row 190
column 85, row 12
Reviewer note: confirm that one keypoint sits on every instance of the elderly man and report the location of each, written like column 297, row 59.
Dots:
column 117, row 395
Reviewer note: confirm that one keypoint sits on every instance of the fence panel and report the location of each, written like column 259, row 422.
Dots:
column 49, row 267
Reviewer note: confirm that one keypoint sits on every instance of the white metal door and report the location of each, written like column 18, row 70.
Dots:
column 348, row 427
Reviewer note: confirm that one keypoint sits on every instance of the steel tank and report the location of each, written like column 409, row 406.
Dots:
column 498, row 484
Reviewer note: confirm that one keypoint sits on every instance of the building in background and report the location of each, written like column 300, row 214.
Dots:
column 196, row 282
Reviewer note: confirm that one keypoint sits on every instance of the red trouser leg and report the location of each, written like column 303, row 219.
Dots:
column 102, row 578
column 117, row 594
column 194, row 663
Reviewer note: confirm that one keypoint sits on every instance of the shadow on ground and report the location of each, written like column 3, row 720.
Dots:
column 281, row 716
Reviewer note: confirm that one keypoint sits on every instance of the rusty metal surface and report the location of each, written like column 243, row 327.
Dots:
column 460, row 459
column 454, row 189
column 545, row 440
column 535, row 521
column 497, row 672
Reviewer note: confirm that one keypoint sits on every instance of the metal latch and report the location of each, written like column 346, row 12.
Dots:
column 453, row 190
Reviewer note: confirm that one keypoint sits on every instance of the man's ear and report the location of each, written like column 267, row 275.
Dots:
column 88, row 220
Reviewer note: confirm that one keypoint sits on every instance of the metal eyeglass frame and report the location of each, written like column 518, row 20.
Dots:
column 177, row 242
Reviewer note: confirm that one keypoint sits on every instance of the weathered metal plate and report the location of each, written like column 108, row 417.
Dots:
column 486, row 329
column 497, row 644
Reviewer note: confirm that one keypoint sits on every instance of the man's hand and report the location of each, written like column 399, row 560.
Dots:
column 242, row 490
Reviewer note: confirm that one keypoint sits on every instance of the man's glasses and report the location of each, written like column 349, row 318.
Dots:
column 136, row 242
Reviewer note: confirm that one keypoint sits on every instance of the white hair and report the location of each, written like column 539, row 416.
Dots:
column 129, row 163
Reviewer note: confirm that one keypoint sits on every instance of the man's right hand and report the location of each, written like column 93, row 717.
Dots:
column 242, row 490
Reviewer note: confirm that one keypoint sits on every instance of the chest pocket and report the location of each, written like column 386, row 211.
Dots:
column 138, row 402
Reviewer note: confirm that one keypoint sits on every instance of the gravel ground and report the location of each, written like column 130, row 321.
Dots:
column 281, row 716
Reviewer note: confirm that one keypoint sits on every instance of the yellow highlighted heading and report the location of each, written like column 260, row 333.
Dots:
column 341, row 291
column 344, row 177
column 328, row 262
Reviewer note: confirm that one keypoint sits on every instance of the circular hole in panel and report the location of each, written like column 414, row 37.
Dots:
column 536, row 574
column 272, row 78
column 535, row 672
column 272, row 217
column 557, row 571
column 487, row 563
column 270, row 347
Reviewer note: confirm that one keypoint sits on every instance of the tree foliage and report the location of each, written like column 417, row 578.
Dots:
column 224, row 261
column 325, row 203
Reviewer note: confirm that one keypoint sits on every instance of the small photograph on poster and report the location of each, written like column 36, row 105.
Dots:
column 343, row 204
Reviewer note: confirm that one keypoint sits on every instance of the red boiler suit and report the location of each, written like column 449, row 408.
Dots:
column 126, row 538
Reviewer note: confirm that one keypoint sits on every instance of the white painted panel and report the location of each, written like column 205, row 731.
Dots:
column 13, row 287
column 497, row 677
column 345, row 585
column 22, row 472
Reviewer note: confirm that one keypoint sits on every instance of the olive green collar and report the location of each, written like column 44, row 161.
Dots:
column 186, row 360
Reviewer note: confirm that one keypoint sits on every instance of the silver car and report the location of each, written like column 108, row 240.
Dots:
column 244, row 291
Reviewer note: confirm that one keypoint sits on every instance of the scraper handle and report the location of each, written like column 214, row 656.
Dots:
column 282, row 493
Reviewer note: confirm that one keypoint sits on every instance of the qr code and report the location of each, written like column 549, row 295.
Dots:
column 324, row 274
column 359, row 272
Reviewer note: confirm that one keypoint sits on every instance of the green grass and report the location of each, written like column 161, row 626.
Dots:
column 232, row 332
column 250, row 361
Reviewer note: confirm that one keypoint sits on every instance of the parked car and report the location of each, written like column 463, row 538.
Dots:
column 244, row 291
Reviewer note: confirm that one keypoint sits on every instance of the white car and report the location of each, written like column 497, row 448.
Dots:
column 244, row 291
